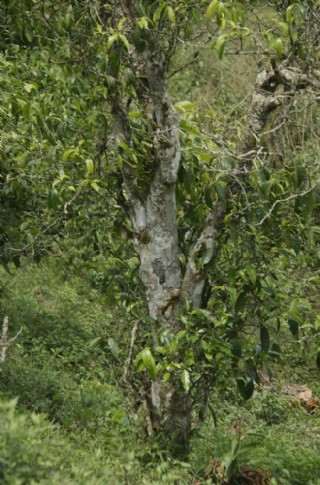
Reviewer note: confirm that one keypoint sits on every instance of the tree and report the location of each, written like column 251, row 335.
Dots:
column 190, row 227
column 142, row 40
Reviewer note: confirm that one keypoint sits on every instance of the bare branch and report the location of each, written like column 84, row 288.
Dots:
column 5, row 342
column 279, row 201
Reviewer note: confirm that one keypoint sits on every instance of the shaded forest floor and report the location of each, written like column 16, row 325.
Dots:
column 71, row 422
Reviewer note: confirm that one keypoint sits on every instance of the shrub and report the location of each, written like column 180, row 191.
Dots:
column 25, row 446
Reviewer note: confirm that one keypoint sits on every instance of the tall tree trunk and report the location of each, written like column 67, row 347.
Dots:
column 153, row 214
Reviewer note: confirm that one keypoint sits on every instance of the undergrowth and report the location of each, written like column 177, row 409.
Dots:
column 65, row 419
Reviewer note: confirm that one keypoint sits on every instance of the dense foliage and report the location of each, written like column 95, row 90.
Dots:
column 82, row 140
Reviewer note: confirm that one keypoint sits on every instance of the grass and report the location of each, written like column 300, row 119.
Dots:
column 72, row 425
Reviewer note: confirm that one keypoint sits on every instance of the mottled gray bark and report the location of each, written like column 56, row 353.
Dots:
column 153, row 215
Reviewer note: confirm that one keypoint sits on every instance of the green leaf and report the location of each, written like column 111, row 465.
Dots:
column 212, row 8
column 185, row 379
column 208, row 198
column 264, row 338
column 219, row 188
column 93, row 342
column 113, row 347
column 158, row 12
column 293, row 326
column 124, row 40
column 241, row 301
column 53, row 199
column 236, row 348
column 90, row 166
column 149, row 363
column 188, row 180
column 171, row 14
column 26, row 111
column 251, row 272
column 318, row 359
column 112, row 40
column 69, row 154
column 138, row 39
column 246, row 387
column 185, row 106
column 95, row 186
column 166, row 376
column 28, row 87
column 278, row 47
column 143, row 23
column 220, row 45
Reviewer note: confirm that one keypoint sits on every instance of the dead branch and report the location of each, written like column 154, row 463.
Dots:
column 5, row 342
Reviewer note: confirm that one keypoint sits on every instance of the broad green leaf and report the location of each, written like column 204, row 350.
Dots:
column 241, row 301
column 158, row 12
column 53, row 199
column 185, row 106
column 221, row 13
column 143, row 23
column 185, row 379
column 264, row 338
column 208, row 198
column 28, row 87
column 112, row 40
column 251, row 272
column 219, row 188
column 124, row 40
column 166, row 376
column 293, row 326
column 278, row 47
column 90, row 166
column 220, row 45
column 246, row 387
column 113, row 347
column 95, row 186
column 212, row 9
column 149, row 363
column 69, row 154
column 26, row 111
column 171, row 14
column 188, row 180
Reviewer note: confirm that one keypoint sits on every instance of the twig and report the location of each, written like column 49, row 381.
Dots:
column 268, row 214
column 187, row 64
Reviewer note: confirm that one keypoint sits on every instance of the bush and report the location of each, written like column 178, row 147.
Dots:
column 271, row 408
column 25, row 446
column 35, row 382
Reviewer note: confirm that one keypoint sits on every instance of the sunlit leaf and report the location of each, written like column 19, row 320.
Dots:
column 185, row 379
column 212, row 9
column 149, row 363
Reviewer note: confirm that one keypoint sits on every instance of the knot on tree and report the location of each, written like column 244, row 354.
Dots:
column 158, row 269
